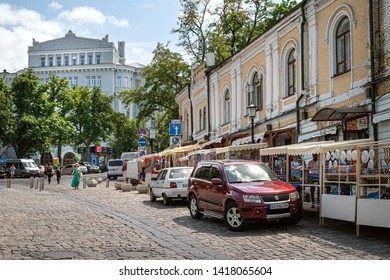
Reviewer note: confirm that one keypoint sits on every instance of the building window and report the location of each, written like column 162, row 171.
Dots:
column 58, row 59
column 226, row 107
column 43, row 61
column 75, row 81
column 126, row 82
column 90, row 58
column 291, row 73
column 66, row 58
column 119, row 81
column 98, row 82
column 187, row 127
column 98, row 56
column 51, row 61
column 258, row 90
column 74, row 59
column 82, row 59
column 93, row 81
column 343, row 47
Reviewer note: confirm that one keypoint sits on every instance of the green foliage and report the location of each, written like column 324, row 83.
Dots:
column 125, row 137
column 91, row 117
column 5, row 112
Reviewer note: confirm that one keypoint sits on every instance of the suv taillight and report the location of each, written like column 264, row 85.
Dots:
column 173, row 185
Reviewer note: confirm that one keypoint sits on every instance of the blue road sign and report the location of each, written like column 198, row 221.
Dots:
column 175, row 140
column 175, row 129
column 142, row 142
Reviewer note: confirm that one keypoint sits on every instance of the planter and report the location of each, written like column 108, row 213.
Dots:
column 99, row 179
column 126, row 187
column 143, row 188
column 91, row 182
column 118, row 186
column 121, row 179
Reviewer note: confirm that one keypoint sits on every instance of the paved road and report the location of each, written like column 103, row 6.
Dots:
column 104, row 223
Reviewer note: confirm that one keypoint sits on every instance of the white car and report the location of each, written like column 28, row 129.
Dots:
column 171, row 183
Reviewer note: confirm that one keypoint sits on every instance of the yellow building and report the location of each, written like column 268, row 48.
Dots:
column 311, row 77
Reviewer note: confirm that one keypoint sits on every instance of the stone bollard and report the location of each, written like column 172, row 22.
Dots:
column 37, row 182
column 84, row 183
column 42, row 186
column 8, row 183
column 31, row 182
column 107, row 183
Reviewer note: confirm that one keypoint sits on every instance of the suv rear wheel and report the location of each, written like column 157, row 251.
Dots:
column 193, row 206
column 233, row 218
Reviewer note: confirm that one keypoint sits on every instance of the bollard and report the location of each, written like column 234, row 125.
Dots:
column 42, row 184
column 8, row 183
column 107, row 183
column 37, row 183
column 84, row 183
column 31, row 182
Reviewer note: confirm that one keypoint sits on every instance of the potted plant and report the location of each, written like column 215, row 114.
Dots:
column 91, row 182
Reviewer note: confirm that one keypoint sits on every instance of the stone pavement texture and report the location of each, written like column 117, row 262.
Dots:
column 103, row 223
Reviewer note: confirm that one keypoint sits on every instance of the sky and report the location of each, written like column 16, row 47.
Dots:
column 140, row 23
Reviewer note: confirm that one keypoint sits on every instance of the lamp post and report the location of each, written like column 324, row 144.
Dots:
column 252, row 114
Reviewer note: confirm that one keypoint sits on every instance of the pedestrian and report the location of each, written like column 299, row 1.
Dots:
column 313, row 167
column 77, row 174
column 12, row 171
column 142, row 175
column 50, row 172
column 45, row 169
column 58, row 173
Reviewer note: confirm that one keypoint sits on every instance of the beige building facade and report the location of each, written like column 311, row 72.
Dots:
column 320, row 73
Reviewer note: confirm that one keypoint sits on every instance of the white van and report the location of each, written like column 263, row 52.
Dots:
column 114, row 168
column 23, row 167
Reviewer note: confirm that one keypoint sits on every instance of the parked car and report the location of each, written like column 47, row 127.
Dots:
column 103, row 167
column 86, row 164
column 94, row 169
column 114, row 167
column 68, row 169
column 241, row 192
column 41, row 171
column 23, row 167
column 171, row 183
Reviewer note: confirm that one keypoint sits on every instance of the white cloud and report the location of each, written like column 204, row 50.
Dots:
column 55, row 5
column 18, row 27
column 148, row 5
column 88, row 15
column 139, row 52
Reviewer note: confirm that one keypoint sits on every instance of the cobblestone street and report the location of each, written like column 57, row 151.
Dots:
column 106, row 224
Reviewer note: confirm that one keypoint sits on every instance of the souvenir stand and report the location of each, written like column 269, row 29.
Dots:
column 245, row 151
column 279, row 160
column 173, row 156
column 373, row 188
column 199, row 155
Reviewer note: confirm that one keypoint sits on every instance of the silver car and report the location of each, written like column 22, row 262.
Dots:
column 67, row 170
column 171, row 184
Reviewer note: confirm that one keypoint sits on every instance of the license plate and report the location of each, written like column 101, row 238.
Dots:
column 279, row 206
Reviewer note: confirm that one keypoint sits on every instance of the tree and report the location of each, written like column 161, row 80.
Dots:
column 92, row 117
column 5, row 112
column 33, row 116
column 166, row 75
column 59, row 93
column 125, row 136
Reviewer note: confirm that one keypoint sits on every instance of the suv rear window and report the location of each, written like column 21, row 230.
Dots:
column 115, row 163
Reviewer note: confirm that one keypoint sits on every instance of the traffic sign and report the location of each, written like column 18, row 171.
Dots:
column 142, row 142
column 175, row 129
column 142, row 132
column 175, row 140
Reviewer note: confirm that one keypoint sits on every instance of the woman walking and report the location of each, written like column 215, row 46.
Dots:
column 76, row 176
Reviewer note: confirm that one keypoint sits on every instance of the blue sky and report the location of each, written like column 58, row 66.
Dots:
column 140, row 23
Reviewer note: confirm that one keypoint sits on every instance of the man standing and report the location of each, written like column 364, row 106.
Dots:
column 49, row 171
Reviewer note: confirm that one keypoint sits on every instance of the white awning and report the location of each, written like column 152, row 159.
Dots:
column 287, row 148
column 248, row 139
column 251, row 146
column 222, row 150
column 217, row 140
column 382, row 116
column 318, row 133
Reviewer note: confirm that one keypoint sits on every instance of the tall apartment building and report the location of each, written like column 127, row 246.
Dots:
column 87, row 62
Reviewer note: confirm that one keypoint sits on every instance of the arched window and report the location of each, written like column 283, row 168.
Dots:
column 343, row 46
column 204, row 117
column 187, row 127
column 291, row 73
column 226, row 107
column 258, row 90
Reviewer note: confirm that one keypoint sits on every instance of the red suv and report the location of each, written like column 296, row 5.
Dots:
column 241, row 192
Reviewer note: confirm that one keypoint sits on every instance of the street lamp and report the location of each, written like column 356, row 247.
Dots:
column 252, row 114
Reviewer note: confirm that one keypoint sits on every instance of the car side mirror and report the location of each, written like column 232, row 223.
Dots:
column 216, row 181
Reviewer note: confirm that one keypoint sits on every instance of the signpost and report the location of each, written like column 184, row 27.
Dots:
column 142, row 142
